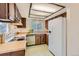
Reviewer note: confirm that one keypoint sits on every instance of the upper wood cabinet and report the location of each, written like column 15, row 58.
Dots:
column 9, row 12
column 12, row 11
column 4, row 10
column 23, row 21
column 17, row 14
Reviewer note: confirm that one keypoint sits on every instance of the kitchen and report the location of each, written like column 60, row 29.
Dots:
column 24, row 25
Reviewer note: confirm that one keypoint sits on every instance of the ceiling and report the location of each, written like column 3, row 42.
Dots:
column 38, row 10
column 43, row 10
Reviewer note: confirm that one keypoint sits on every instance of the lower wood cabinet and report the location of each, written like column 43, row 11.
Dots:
column 1, row 39
column 39, row 39
column 46, row 39
column 15, row 53
column 18, row 53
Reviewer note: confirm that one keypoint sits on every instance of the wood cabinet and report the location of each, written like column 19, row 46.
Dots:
column 1, row 39
column 15, row 53
column 4, row 10
column 9, row 12
column 17, row 14
column 46, row 39
column 39, row 39
column 12, row 11
column 42, row 38
column 23, row 21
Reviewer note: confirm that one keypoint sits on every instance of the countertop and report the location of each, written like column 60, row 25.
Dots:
column 12, row 46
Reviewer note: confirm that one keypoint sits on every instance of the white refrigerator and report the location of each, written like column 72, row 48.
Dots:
column 57, row 36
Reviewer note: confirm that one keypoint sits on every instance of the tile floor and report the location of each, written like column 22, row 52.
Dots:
column 38, row 50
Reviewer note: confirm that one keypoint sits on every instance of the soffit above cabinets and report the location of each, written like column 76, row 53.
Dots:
column 43, row 10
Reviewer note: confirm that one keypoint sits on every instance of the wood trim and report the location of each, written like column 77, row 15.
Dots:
column 46, row 24
column 46, row 36
column 15, row 11
column 30, row 9
column 8, row 10
column 45, row 11
column 54, row 12
column 58, row 5
column 63, row 15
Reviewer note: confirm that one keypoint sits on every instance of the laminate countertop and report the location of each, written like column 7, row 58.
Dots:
column 12, row 46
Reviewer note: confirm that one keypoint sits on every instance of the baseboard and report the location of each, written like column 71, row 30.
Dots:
column 34, row 45
column 51, row 53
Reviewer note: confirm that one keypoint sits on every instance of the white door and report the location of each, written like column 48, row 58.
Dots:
column 56, row 36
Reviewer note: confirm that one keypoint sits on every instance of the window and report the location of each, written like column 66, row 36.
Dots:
column 3, row 27
column 37, row 25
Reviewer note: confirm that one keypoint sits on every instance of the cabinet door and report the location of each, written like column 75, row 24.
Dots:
column 0, row 39
column 18, row 53
column 17, row 14
column 42, row 38
column 46, row 39
column 12, row 11
column 37, row 39
column 4, row 10
column 23, row 21
column 7, row 12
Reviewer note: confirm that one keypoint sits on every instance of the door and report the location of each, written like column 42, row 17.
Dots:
column 57, row 36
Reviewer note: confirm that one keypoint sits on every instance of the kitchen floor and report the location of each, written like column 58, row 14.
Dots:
column 38, row 50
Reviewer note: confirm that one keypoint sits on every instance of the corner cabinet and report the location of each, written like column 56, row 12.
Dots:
column 8, row 12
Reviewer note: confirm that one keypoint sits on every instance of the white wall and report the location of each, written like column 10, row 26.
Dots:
column 72, row 29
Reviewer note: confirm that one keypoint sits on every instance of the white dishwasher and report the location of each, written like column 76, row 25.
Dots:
column 30, row 39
